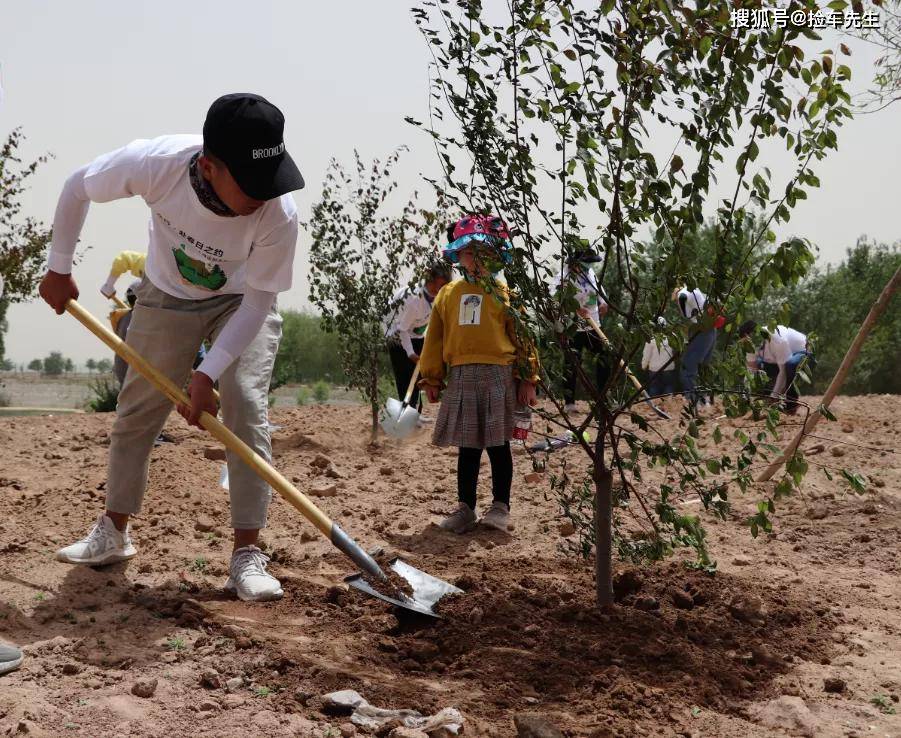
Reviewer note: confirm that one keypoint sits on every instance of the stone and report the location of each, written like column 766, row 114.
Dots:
column 332, row 473
column 321, row 461
column 741, row 560
column 324, row 489
column 837, row 451
column 243, row 643
column 347, row 730
column 647, row 603
column 234, row 684
column 625, row 583
column 835, row 685
column 681, row 599
column 211, row 679
column 764, row 656
column 204, row 524
column 386, row 471
column 208, row 706
column 566, row 528
column 70, row 667
column 214, row 453
column 144, row 688
column 748, row 609
column 818, row 512
column 789, row 714
column 535, row 725
column 306, row 536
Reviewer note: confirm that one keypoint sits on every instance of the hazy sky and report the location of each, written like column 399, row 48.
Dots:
column 85, row 77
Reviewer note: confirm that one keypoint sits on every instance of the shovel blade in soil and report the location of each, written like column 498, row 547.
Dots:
column 427, row 590
column 402, row 424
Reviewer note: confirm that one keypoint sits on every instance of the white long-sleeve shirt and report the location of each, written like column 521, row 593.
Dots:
column 193, row 253
column 654, row 358
column 777, row 349
column 409, row 316
column 589, row 294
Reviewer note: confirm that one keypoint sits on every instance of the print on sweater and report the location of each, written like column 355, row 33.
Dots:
column 471, row 310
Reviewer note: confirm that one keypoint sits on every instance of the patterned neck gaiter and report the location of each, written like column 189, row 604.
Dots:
column 205, row 193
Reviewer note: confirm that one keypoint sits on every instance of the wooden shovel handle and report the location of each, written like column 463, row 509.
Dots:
column 229, row 439
column 412, row 385
column 603, row 337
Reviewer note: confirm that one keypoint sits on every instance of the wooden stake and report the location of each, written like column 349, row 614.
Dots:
column 879, row 307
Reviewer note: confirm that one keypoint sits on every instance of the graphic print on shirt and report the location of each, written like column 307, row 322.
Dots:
column 197, row 272
column 471, row 310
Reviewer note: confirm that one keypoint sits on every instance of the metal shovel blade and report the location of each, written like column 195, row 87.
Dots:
column 402, row 425
column 393, row 407
column 427, row 590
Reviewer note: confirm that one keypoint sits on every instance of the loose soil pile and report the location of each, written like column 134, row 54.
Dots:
column 797, row 633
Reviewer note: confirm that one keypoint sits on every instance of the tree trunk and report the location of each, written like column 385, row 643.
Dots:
column 835, row 385
column 603, row 525
column 374, row 401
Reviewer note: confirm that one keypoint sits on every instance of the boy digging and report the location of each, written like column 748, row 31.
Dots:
column 223, row 230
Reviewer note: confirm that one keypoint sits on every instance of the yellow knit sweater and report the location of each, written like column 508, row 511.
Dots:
column 470, row 326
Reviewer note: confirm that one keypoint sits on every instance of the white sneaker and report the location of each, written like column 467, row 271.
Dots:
column 105, row 544
column 248, row 578
column 497, row 516
column 462, row 520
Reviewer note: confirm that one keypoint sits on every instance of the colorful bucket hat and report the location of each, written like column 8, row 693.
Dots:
column 488, row 229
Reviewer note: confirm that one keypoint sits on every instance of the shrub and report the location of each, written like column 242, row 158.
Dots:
column 321, row 391
column 303, row 396
column 105, row 395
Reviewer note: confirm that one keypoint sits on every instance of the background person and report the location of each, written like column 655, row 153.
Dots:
column 692, row 305
column 780, row 355
column 656, row 360
column 411, row 309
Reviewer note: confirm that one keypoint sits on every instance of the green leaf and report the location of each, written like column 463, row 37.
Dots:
column 704, row 46
column 606, row 6
column 676, row 163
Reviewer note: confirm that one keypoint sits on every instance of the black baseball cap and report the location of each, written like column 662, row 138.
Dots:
column 585, row 256
column 246, row 132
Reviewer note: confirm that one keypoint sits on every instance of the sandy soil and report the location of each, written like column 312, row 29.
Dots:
column 744, row 652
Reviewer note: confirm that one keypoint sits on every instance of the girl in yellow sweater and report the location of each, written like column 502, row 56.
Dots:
column 472, row 332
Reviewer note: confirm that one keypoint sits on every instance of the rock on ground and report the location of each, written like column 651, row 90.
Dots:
column 789, row 714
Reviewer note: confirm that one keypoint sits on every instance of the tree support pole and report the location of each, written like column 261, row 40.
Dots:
column 879, row 307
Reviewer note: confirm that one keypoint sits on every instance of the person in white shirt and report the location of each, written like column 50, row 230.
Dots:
column 223, row 231
column 779, row 355
column 579, row 276
column 657, row 360
column 699, row 351
column 406, row 323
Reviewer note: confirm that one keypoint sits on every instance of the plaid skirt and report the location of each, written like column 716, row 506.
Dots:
column 477, row 407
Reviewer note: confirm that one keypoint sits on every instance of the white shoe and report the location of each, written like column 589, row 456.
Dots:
column 105, row 544
column 462, row 520
column 570, row 407
column 248, row 578
column 497, row 516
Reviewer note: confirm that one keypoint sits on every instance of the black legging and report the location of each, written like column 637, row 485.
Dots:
column 403, row 369
column 501, row 473
column 585, row 340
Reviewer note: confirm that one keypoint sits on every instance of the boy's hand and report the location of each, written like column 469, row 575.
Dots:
column 432, row 392
column 525, row 393
column 414, row 358
column 57, row 289
column 202, row 399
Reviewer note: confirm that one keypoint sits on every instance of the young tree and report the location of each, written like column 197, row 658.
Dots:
column 69, row 366
column 104, row 366
column 36, row 365
column 607, row 126
column 90, row 365
column 23, row 241
column 359, row 257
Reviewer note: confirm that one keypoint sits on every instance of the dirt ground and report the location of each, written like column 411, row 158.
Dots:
column 745, row 652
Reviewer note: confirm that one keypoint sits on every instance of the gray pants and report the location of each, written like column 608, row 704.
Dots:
column 166, row 331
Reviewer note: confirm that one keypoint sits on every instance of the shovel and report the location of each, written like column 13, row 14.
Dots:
column 399, row 419
column 647, row 398
column 426, row 589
